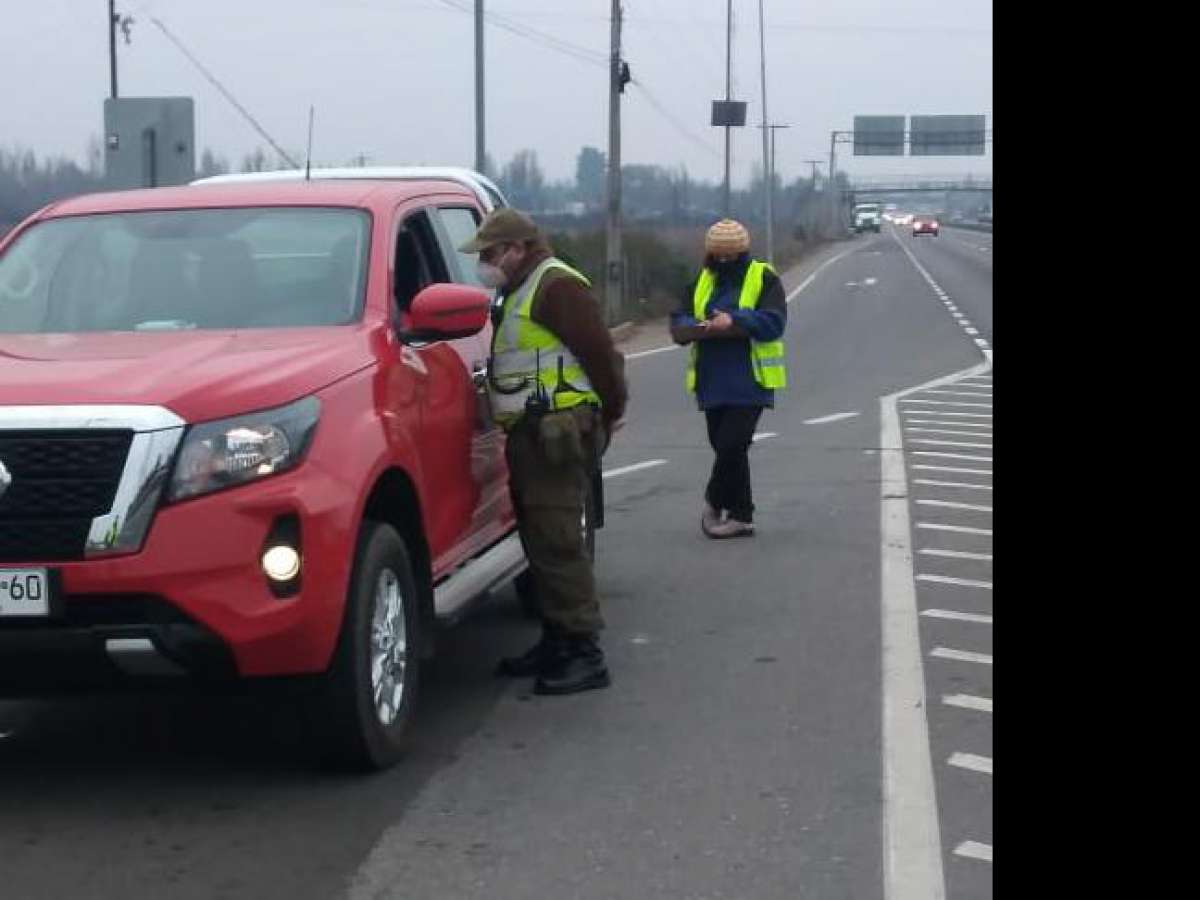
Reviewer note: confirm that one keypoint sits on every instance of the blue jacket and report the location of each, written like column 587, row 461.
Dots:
column 724, row 376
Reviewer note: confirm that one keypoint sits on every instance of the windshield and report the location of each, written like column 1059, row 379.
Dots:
column 868, row 210
column 183, row 269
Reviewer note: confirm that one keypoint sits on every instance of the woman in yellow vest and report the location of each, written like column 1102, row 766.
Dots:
column 733, row 316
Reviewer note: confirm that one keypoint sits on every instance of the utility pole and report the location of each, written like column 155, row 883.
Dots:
column 774, row 172
column 768, row 181
column 728, row 96
column 112, row 46
column 833, row 209
column 480, row 148
column 814, row 163
column 614, row 274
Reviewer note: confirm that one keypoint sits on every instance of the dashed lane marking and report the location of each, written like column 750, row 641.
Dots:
column 925, row 467
column 974, row 849
column 955, row 616
column 835, row 417
column 931, row 482
column 958, row 529
column 955, row 554
column 983, row 659
column 968, row 701
column 957, row 582
column 972, row 762
column 636, row 467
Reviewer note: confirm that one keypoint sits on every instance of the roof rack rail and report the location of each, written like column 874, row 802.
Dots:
column 484, row 188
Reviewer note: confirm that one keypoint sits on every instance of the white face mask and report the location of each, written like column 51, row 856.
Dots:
column 491, row 275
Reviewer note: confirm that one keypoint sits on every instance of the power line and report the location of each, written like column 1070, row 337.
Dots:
column 549, row 41
column 228, row 96
column 669, row 117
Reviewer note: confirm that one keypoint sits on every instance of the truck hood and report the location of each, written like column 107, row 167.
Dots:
column 199, row 375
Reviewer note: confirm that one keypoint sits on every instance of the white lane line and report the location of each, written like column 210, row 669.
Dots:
column 940, row 455
column 831, row 418
column 974, row 849
column 984, row 659
column 762, row 436
column 958, row 582
column 957, row 424
column 968, row 444
column 957, row 616
column 968, row 701
column 642, row 353
column 961, row 393
column 809, row 280
column 979, row 380
column 950, row 504
column 636, row 467
column 945, row 431
column 955, row 554
column 956, row 415
column 949, row 403
column 953, row 484
column 928, row 468
column 971, row 331
column 958, row 529
column 971, row 761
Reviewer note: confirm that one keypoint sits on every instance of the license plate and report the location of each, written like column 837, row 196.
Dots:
column 24, row 592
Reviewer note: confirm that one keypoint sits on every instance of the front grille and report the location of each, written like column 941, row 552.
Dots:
column 61, row 480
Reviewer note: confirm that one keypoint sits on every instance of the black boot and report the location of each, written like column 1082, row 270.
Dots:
column 580, row 668
column 533, row 660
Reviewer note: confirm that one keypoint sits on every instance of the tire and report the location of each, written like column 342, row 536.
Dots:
column 359, row 732
column 524, row 584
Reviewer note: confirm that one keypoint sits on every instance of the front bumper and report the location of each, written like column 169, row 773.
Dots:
column 196, row 589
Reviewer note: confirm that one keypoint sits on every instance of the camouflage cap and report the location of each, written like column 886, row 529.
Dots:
column 501, row 226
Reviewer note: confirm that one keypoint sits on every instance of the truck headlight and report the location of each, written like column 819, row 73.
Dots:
column 233, row 451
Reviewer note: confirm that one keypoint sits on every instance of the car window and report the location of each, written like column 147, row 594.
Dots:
column 182, row 269
column 418, row 262
column 459, row 224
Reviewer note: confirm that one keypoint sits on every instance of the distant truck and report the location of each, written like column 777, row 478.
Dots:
column 867, row 217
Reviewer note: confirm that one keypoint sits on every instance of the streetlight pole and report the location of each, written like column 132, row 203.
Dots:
column 112, row 47
column 768, row 184
column 480, row 147
column 728, row 96
column 770, row 189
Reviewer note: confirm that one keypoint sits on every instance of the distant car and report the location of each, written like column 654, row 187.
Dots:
column 903, row 218
column 925, row 225
column 867, row 217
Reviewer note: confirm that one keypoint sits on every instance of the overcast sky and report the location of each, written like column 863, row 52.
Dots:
column 394, row 79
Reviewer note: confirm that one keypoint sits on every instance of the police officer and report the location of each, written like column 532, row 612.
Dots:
column 733, row 315
column 557, row 387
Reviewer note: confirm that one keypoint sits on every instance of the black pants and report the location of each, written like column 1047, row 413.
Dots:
column 731, row 432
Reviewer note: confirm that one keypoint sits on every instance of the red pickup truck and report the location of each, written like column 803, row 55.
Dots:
column 244, row 432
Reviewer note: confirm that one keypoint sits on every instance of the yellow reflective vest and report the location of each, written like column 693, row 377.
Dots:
column 525, row 354
column 767, row 358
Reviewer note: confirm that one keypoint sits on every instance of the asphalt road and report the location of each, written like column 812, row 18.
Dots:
column 737, row 755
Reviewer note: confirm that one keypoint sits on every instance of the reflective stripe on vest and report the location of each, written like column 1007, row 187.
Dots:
column 523, row 349
column 767, row 358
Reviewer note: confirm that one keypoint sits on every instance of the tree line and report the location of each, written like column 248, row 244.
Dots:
column 651, row 194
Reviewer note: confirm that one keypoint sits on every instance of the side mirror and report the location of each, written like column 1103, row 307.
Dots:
column 444, row 312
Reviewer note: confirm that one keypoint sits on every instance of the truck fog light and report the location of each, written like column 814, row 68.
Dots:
column 281, row 563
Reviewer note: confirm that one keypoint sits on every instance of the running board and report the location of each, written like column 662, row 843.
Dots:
column 496, row 566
